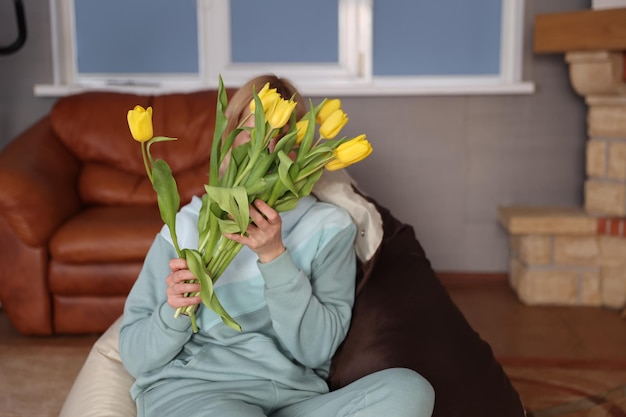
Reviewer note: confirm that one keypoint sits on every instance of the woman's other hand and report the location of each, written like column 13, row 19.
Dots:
column 179, row 282
column 264, row 234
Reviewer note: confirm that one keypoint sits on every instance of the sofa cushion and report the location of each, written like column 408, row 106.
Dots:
column 93, row 126
column 107, row 234
column 96, row 280
column 103, row 184
column 404, row 317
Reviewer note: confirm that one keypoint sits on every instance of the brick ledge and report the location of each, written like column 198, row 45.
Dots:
column 528, row 220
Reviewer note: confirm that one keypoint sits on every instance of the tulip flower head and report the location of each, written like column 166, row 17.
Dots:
column 140, row 123
column 327, row 109
column 278, row 115
column 268, row 97
column 349, row 153
column 301, row 127
column 333, row 124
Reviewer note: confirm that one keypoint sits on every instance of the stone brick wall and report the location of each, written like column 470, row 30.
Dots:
column 566, row 257
column 577, row 256
column 605, row 188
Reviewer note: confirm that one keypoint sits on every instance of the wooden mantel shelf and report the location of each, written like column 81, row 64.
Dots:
column 581, row 31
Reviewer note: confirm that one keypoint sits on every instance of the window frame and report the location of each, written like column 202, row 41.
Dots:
column 350, row 76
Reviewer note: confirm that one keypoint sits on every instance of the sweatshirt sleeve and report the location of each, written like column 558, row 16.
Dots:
column 150, row 336
column 311, row 314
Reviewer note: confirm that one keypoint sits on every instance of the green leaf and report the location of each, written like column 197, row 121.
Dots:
column 228, row 142
column 228, row 177
column 207, row 293
column 287, row 142
column 259, row 170
column 258, row 133
column 155, row 139
column 309, row 183
column 167, row 196
column 229, row 226
column 286, row 203
column 232, row 200
column 314, row 164
column 325, row 148
column 220, row 127
column 160, row 139
column 307, row 141
column 270, row 181
column 284, row 171
column 241, row 199
column 241, row 153
column 203, row 224
column 214, row 234
column 257, row 187
column 238, row 158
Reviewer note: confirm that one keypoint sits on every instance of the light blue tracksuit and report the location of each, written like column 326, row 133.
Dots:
column 295, row 311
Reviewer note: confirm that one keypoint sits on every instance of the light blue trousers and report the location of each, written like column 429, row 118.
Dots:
column 393, row 392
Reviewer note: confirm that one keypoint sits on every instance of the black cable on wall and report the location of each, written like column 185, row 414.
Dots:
column 21, row 30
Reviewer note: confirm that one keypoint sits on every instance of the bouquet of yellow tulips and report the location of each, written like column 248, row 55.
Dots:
column 279, row 177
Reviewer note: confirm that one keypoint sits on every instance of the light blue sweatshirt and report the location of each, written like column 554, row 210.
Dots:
column 295, row 311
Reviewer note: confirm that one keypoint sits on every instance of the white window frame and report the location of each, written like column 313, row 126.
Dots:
column 67, row 79
column 354, row 18
column 350, row 76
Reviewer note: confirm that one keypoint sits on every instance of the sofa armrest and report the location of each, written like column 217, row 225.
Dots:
column 38, row 177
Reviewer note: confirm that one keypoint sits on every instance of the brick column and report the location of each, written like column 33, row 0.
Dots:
column 599, row 77
column 577, row 256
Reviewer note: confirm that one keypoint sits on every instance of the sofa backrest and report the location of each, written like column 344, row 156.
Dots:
column 94, row 127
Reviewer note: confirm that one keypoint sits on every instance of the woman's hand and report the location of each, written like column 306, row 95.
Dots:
column 264, row 234
column 177, row 285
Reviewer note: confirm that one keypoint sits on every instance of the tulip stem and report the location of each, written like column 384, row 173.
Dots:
column 247, row 170
column 189, row 311
column 306, row 172
column 144, row 154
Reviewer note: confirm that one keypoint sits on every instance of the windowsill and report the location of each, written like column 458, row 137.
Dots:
column 391, row 87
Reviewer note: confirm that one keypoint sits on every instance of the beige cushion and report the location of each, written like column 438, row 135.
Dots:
column 102, row 387
column 336, row 187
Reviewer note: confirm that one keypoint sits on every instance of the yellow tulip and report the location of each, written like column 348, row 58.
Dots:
column 278, row 115
column 333, row 124
column 301, row 127
column 349, row 153
column 268, row 98
column 140, row 123
column 327, row 109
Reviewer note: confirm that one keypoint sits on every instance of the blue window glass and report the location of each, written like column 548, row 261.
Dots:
column 284, row 31
column 138, row 36
column 410, row 37
column 434, row 38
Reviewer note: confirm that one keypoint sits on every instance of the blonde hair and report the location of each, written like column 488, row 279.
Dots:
column 238, row 105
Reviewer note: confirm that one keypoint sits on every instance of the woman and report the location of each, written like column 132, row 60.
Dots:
column 291, row 288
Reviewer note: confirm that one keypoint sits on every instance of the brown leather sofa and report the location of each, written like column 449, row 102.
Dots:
column 77, row 212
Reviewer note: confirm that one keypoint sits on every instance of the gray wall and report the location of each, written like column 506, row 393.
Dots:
column 20, row 71
column 442, row 164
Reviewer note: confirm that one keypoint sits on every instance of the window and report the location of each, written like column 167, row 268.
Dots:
column 314, row 43
column 338, row 47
